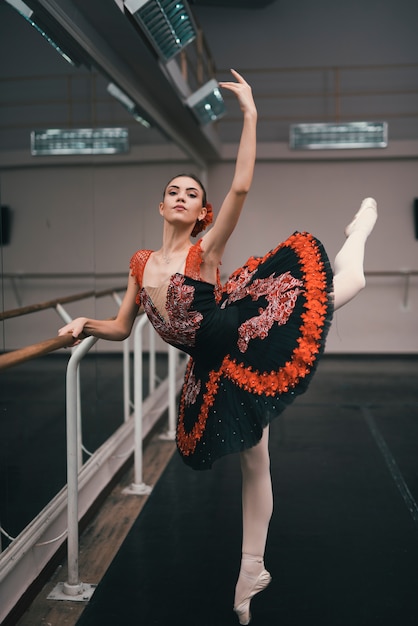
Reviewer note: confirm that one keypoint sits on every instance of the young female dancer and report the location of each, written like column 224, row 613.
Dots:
column 254, row 343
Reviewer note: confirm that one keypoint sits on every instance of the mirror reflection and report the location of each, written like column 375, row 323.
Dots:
column 57, row 255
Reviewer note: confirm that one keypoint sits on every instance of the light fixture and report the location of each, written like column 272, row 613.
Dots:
column 168, row 24
column 207, row 103
column 27, row 13
column 339, row 136
column 56, row 141
column 127, row 103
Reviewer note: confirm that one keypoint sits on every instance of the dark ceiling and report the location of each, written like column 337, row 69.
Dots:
column 233, row 4
column 306, row 62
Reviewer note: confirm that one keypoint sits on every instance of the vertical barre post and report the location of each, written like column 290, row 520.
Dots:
column 126, row 381
column 172, row 360
column 152, row 362
column 64, row 315
column 170, row 435
column 126, row 370
column 73, row 586
column 138, row 395
column 138, row 487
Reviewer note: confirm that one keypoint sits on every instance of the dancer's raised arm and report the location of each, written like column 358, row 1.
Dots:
column 214, row 241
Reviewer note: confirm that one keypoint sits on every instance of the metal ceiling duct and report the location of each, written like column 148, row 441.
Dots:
column 113, row 46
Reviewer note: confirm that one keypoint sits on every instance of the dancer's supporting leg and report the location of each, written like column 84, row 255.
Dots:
column 257, row 509
column 348, row 267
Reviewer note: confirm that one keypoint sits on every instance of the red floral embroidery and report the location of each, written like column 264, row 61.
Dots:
column 281, row 294
column 187, row 441
column 312, row 328
column 192, row 389
column 182, row 324
column 237, row 285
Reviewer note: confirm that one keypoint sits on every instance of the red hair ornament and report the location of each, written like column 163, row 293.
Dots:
column 204, row 223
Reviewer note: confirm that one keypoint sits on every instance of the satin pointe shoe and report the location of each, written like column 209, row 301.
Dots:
column 364, row 219
column 243, row 608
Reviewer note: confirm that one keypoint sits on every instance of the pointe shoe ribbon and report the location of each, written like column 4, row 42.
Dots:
column 243, row 608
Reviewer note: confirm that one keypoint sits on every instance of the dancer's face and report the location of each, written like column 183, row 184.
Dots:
column 183, row 201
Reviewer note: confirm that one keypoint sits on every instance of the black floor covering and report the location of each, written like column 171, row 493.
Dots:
column 343, row 541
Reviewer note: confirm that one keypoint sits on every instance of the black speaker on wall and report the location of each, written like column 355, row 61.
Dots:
column 416, row 217
column 5, row 225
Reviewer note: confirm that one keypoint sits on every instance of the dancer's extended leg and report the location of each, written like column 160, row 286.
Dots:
column 348, row 266
column 257, row 508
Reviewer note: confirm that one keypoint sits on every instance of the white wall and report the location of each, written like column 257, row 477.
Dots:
column 76, row 219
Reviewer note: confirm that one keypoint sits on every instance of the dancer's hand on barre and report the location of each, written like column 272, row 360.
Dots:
column 76, row 329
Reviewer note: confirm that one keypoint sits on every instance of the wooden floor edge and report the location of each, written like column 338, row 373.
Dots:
column 100, row 540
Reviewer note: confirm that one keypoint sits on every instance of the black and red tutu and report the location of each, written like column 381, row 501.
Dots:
column 254, row 342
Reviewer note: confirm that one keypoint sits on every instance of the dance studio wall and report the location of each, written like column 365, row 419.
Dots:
column 78, row 219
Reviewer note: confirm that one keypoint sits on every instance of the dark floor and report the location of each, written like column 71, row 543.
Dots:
column 343, row 542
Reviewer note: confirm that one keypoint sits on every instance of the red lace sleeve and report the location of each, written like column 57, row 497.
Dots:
column 194, row 261
column 137, row 264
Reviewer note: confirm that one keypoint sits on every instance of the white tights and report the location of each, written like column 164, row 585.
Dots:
column 348, row 269
column 257, row 509
column 348, row 265
column 257, row 495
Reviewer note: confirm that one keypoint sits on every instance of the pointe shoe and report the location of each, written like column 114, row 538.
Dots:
column 364, row 219
column 243, row 608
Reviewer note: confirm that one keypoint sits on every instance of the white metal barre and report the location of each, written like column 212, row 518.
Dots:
column 170, row 434
column 138, row 487
column 73, row 586
column 126, row 369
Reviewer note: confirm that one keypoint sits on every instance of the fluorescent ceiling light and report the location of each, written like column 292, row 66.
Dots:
column 168, row 24
column 339, row 136
column 55, row 141
column 127, row 103
column 21, row 7
column 27, row 13
column 207, row 103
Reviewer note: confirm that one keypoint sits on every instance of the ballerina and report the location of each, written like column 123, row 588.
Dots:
column 254, row 343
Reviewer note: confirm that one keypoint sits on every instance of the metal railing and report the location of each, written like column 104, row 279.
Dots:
column 85, row 481
column 405, row 274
